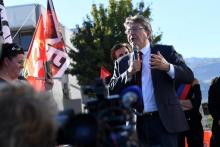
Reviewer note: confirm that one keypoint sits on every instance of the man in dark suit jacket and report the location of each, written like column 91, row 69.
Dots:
column 162, row 116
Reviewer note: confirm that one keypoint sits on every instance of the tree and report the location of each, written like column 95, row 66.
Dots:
column 98, row 34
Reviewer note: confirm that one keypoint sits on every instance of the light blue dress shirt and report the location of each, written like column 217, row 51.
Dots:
column 147, row 85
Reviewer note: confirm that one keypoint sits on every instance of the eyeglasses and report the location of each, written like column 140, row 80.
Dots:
column 133, row 30
column 10, row 50
column 15, row 49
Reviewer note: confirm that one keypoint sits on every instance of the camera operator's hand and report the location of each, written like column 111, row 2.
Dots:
column 135, row 66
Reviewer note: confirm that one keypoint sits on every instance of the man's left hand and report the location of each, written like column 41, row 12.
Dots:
column 186, row 104
column 157, row 61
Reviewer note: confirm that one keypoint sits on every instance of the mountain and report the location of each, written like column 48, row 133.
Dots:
column 204, row 69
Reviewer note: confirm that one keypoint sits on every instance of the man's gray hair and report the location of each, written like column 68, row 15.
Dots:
column 140, row 19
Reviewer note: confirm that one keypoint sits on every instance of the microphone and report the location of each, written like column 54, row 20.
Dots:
column 135, row 52
column 135, row 58
column 131, row 95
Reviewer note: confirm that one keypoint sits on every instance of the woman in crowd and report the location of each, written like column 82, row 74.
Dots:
column 11, row 65
column 11, row 62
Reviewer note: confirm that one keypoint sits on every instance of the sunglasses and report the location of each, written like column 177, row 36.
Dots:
column 15, row 50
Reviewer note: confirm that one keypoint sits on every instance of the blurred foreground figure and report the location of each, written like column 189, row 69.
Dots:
column 25, row 118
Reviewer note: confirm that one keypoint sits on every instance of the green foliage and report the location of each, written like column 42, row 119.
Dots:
column 209, row 122
column 98, row 34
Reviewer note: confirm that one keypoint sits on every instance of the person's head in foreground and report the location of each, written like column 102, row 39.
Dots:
column 25, row 118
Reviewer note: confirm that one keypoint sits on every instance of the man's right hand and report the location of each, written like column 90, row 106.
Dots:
column 135, row 66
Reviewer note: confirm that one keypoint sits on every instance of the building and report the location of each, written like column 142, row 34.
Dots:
column 22, row 21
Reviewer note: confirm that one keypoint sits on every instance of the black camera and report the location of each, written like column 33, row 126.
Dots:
column 106, row 121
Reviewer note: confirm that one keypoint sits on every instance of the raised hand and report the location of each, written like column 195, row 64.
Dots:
column 157, row 61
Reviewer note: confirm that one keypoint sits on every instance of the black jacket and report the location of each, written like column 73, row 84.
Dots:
column 214, row 102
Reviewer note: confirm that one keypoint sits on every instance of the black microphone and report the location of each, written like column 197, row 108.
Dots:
column 135, row 52
column 135, row 58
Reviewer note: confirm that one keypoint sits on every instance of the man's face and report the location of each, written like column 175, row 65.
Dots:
column 121, row 52
column 137, row 35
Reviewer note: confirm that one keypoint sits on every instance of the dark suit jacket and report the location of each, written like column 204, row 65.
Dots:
column 169, row 108
column 214, row 104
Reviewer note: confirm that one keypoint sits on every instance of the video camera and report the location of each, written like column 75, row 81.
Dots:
column 106, row 121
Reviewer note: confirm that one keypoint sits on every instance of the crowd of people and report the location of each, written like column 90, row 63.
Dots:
column 168, row 113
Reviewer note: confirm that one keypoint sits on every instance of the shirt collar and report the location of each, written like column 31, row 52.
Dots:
column 146, row 49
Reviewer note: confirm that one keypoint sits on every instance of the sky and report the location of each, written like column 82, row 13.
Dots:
column 191, row 26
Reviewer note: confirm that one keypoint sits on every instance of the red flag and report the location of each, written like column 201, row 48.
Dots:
column 54, row 43
column 183, row 90
column 37, row 84
column 104, row 73
column 36, row 57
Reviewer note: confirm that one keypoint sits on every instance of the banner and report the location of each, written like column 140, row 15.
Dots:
column 4, row 24
column 34, row 69
column 54, row 43
column 183, row 91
